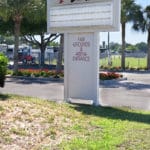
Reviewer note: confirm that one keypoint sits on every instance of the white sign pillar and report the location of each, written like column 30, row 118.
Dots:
column 81, row 57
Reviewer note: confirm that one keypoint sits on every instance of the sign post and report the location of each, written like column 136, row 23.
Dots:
column 81, row 57
column 81, row 21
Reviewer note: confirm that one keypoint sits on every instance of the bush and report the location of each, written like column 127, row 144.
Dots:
column 9, row 72
column 54, row 74
column 3, row 69
column 109, row 75
column 39, row 73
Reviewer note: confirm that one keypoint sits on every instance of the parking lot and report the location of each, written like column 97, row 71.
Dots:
column 132, row 91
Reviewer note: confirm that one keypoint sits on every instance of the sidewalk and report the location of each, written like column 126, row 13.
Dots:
column 133, row 92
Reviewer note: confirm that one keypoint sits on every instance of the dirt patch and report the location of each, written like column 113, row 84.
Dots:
column 28, row 125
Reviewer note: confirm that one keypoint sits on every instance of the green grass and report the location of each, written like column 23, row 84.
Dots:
column 49, row 125
column 52, row 62
column 19, row 131
column 131, row 62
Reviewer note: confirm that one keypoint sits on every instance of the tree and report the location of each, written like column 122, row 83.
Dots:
column 129, row 13
column 18, row 16
column 54, row 44
column 61, row 1
column 131, row 48
column 142, row 46
column 15, row 10
column 115, row 46
column 42, row 43
column 6, row 26
column 142, row 23
column 34, row 30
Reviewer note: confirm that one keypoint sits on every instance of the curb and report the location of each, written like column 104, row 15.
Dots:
column 35, row 78
column 113, row 80
column 54, row 79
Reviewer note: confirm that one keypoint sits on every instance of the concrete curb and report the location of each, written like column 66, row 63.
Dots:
column 54, row 79
column 36, row 78
column 113, row 80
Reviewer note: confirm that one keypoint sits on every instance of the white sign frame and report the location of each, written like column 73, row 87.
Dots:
column 68, row 17
column 79, row 19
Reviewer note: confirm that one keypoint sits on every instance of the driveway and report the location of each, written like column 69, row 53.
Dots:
column 51, row 90
column 133, row 92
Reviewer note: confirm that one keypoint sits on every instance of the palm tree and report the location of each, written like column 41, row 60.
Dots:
column 142, row 23
column 16, row 10
column 129, row 11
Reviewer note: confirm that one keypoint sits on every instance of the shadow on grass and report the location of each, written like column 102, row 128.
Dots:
column 4, row 97
column 114, row 113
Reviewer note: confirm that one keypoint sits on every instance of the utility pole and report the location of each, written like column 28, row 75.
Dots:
column 108, row 50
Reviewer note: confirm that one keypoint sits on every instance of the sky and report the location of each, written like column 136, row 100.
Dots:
column 132, row 36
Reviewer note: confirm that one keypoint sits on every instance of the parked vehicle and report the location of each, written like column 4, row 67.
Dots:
column 25, row 57
column 10, row 52
column 24, row 54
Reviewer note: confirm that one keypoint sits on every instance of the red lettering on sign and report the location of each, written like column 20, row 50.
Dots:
column 61, row 1
column 81, row 55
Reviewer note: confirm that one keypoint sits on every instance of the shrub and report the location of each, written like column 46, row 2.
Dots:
column 54, row 74
column 19, row 73
column 39, row 73
column 109, row 75
column 9, row 72
column 3, row 69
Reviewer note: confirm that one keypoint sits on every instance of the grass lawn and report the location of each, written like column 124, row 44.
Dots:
column 29, row 123
column 131, row 62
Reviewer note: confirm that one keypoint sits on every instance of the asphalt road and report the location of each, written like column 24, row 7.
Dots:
column 132, row 92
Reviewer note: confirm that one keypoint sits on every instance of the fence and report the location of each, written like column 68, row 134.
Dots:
column 132, row 60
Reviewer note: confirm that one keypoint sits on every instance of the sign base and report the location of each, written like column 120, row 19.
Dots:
column 80, row 101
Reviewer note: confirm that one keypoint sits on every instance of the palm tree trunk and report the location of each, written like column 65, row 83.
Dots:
column 17, row 22
column 123, row 46
column 148, row 52
column 60, row 54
